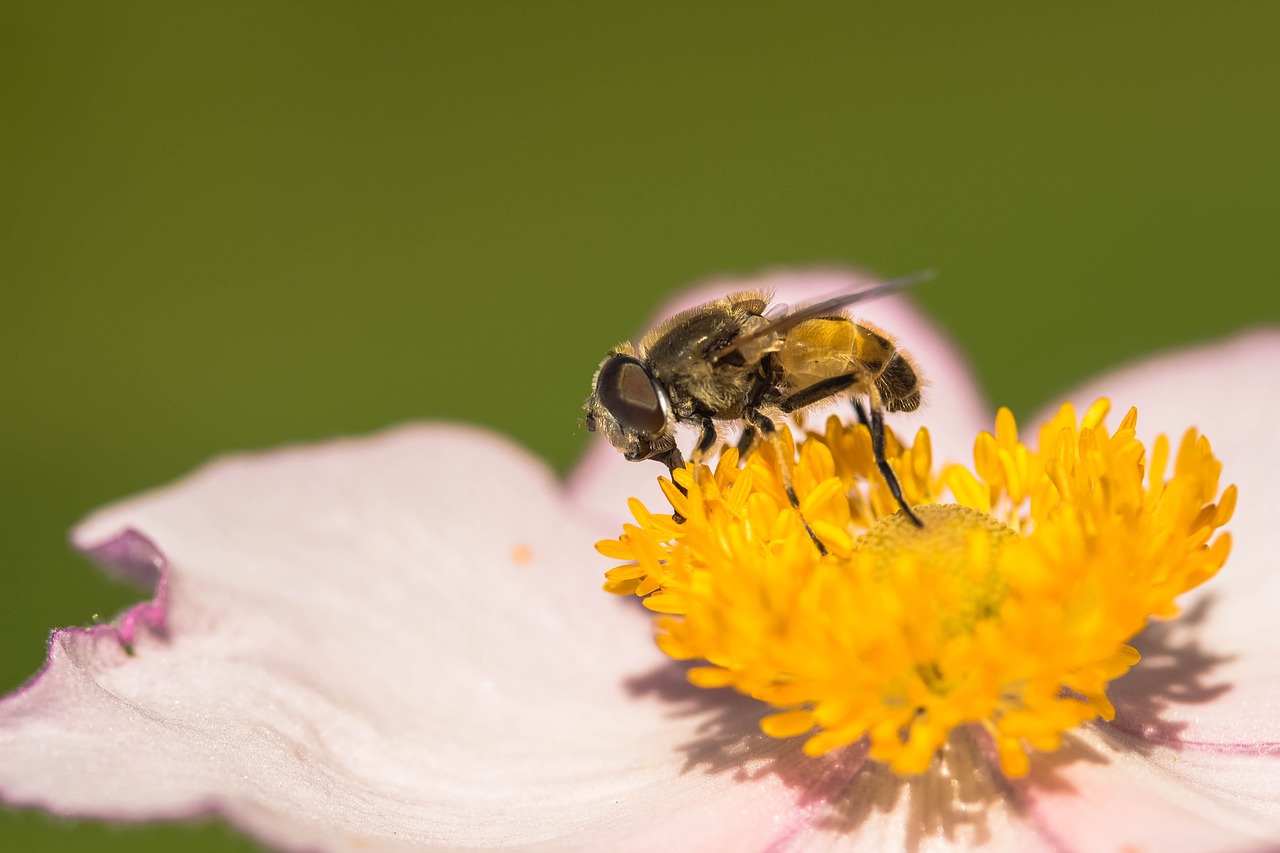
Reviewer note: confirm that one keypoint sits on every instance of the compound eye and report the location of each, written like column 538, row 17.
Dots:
column 625, row 389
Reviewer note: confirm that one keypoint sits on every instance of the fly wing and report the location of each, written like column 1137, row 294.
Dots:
column 820, row 349
column 817, row 310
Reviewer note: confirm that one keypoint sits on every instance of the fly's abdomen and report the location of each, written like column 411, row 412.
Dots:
column 893, row 371
column 816, row 350
column 899, row 385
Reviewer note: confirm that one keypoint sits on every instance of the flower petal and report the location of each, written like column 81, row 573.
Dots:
column 1194, row 750
column 954, row 406
column 1109, row 790
column 379, row 644
column 1212, row 678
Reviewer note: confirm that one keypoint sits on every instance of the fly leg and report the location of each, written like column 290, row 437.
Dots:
column 706, row 440
column 706, row 443
column 874, row 424
column 674, row 462
column 747, row 441
column 818, row 392
column 861, row 412
column 769, row 432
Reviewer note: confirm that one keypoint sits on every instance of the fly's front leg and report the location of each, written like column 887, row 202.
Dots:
column 769, row 432
column 674, row 462
column 706, row 441
column 747, row 441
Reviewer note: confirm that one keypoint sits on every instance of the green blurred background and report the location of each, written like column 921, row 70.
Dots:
column 234, row 224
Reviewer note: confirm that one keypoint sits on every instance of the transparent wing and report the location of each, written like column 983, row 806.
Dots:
column 823, row 308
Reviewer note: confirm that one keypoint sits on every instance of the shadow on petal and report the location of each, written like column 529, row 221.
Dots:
column 729, row 739
column 1175, row 669
column 843, row 792
column 1047, row 768
column 964, row 798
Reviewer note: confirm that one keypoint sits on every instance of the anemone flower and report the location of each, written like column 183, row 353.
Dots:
column 399, row 642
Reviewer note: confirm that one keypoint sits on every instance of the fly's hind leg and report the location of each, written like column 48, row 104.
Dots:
column 875, row 424
column 769, row 432
column 861, row 411
column 818, row 392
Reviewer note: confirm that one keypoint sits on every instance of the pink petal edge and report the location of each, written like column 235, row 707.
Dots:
column 134, row 557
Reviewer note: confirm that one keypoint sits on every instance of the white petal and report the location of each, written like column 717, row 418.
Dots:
column 1213, row 677
column 954, row 407
column 385, row 644
column 1106, row 790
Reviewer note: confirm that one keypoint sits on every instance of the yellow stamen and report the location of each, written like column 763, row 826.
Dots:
column 1010, row 610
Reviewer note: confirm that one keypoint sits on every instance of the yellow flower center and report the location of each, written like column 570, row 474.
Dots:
column 1010, row 609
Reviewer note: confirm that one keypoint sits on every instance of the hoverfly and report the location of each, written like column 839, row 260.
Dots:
column 738, row 359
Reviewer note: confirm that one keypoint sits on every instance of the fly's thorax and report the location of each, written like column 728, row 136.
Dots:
column 700, row 386
column 682, row 358
column 754, row 350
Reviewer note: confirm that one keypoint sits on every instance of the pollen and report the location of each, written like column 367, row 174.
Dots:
column 1010, row 611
